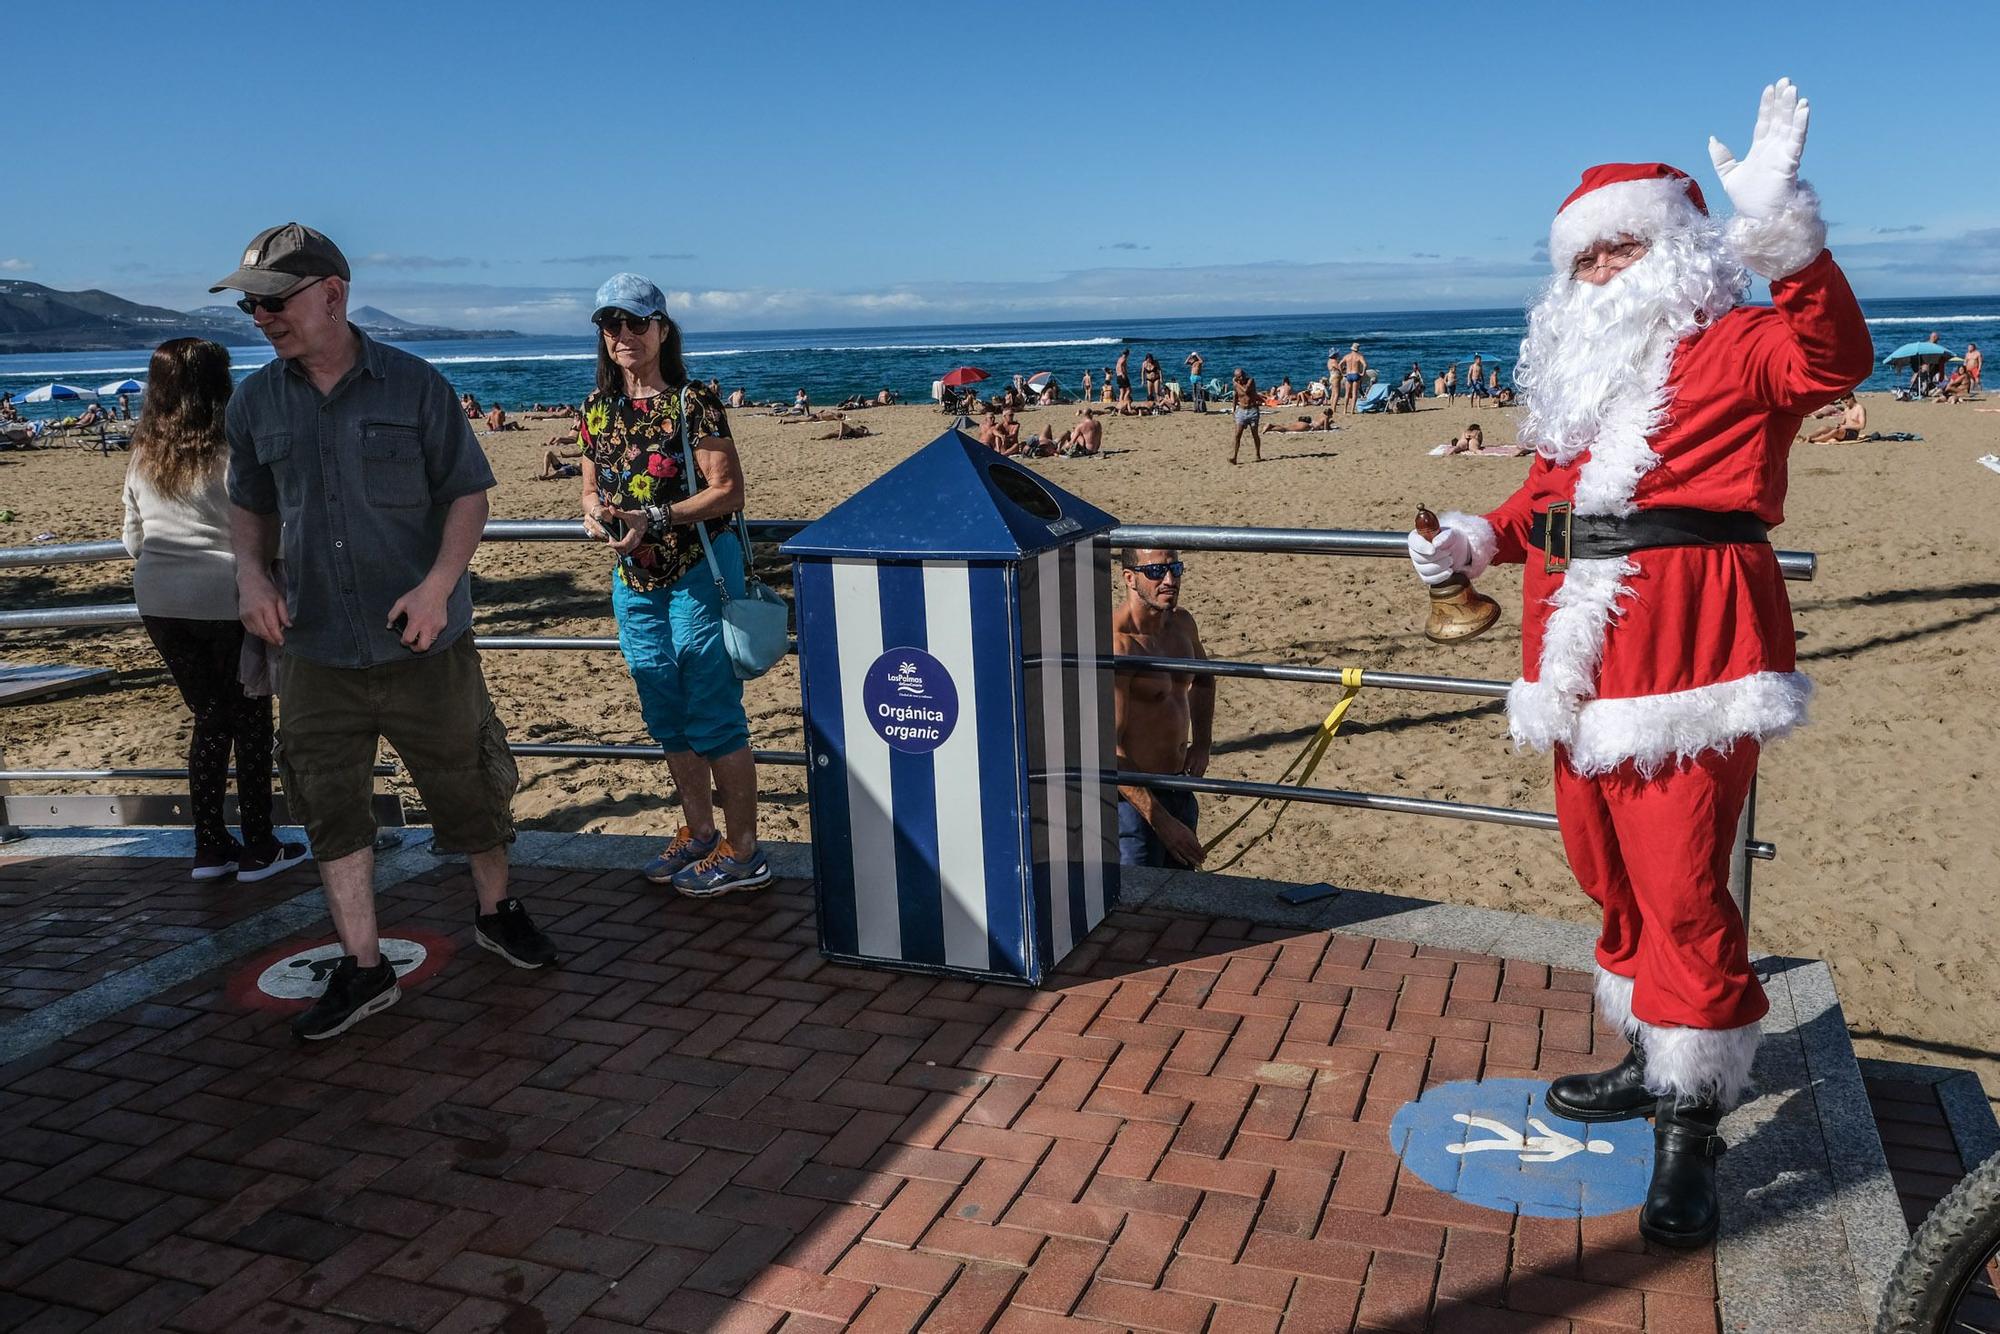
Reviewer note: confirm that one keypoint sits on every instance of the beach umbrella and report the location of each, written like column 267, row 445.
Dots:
column 963, row 375
column 49, row 393
column 1040, row 379
column 1917, row 352
column 123, row 387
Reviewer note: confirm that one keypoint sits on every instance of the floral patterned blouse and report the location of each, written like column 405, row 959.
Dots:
column 635, row 445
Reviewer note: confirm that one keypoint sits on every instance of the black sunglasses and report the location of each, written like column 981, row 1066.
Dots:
column 1160, row 571
column 250, row 305
column 618, row 324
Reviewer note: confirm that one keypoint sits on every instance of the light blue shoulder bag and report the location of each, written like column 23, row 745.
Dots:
column 756, row 627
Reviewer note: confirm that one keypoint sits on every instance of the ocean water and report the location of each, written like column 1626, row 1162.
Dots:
column 833, row 363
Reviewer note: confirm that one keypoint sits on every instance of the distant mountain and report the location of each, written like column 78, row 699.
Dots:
column 34, row 318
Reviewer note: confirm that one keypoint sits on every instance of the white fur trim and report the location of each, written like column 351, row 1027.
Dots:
column 1655, row 731
column 1614, row 1003
column 1620, row 455
column 1542, row 713
column 1696, row 1064
column 1780, row 245
column 1479, row 536
column 1641, row 209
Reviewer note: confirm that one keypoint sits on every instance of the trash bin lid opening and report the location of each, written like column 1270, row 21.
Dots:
column 1024, row 490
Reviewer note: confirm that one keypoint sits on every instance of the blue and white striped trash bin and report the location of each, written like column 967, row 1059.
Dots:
column 954, row 651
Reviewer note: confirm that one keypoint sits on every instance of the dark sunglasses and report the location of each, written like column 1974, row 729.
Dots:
column 618, row 324
column 1159, row 572
column 250, row 305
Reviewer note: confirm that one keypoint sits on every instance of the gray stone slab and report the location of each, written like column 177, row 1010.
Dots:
column 1970, row 1114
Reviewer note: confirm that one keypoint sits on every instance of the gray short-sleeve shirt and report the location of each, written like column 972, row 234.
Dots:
column 361, row 479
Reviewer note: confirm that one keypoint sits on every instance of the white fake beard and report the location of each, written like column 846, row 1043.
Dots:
column 1594, row 350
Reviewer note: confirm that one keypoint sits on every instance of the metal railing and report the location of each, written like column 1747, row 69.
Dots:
column 1794, row 565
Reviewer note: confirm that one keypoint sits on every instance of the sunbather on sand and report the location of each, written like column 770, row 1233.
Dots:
column 1324, row 423
column 553, row 467
column 1086, row 438
column 1853, row 421
column 1473, row 441
column 845, row 431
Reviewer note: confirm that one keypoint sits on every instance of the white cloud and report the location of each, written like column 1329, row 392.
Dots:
column 16, row 265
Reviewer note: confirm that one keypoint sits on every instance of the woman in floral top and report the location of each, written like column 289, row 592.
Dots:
column 639, row 499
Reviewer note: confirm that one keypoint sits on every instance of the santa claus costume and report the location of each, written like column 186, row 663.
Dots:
column 1657, row 644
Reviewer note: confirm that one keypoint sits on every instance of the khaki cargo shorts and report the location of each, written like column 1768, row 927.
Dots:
column 436, row 713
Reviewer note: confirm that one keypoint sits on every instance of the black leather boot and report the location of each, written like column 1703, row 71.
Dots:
column 1617, row 1094
column 1681, row 1208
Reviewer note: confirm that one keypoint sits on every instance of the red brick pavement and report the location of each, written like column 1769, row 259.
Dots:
column 68, row 922
column 698, row 1124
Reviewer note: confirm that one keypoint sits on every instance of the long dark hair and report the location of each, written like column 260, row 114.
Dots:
column 673, row 367
column 178, row 443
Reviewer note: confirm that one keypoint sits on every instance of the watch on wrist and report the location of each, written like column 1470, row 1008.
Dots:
column 660, row 516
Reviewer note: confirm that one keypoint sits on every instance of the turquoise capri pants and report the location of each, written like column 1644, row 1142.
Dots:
column 672, row 640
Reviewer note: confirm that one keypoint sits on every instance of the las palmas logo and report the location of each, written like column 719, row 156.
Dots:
column 908, row 682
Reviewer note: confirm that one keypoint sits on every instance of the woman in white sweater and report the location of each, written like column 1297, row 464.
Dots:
column 177, row 528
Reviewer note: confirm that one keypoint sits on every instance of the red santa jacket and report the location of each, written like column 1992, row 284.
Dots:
column 1676, row 650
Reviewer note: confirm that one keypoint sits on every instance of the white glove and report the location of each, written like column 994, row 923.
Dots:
column 1439, row 558
column 1764, row 182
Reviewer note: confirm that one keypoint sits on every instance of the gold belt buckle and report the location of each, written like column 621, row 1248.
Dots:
column 1556, row 539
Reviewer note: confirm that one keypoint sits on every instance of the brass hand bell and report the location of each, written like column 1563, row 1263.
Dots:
column 1458, row 610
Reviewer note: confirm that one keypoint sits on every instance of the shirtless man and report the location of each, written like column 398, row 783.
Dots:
column 1197, row 387
column 1165, row 721
column 1853, row 421
column 1086, row 387
column 1009, row 431
column 1123, row 371
column 1475, row 379
column 1352, row 367
column 1086, row 438
column 1243, row 395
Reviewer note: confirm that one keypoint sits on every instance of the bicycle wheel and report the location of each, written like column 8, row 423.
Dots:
column 1945, row 1283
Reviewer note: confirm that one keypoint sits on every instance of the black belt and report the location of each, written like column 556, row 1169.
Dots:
column 1562, row 535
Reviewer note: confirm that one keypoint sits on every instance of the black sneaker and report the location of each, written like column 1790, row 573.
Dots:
column 352, row 994
column 254, row 866
column 510, row 933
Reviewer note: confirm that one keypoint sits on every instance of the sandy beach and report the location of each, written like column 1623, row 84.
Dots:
column 1884, row 811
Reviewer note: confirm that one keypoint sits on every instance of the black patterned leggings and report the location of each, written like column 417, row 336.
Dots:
column 203, row 657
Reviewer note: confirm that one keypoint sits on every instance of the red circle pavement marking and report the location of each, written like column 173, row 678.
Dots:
column 291, row 976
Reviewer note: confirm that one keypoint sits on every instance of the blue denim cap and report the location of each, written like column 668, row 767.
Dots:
column 630, row 293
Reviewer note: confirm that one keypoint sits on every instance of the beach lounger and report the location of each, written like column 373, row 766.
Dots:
column 1375, row 400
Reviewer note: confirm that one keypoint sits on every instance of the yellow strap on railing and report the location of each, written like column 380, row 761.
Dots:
column 1309, row 758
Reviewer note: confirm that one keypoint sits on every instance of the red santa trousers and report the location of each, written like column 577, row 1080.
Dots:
column 1654, row 853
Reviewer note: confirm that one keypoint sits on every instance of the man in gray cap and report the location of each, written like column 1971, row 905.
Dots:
column 352, row 460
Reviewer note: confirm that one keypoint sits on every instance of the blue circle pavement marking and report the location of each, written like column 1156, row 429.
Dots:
column 911, row 700
column 1492, row 1143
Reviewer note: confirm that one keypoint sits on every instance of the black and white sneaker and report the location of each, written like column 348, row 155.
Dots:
column 510, row 933
column 254, row 866
column 352, row 994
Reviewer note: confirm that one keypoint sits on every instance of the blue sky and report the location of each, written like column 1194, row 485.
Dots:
column 865, row 164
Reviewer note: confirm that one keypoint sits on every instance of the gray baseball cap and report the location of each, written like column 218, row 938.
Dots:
column 632, row 294
column 280, row 258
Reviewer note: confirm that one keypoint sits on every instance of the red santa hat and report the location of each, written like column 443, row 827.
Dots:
column 1640, row 199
